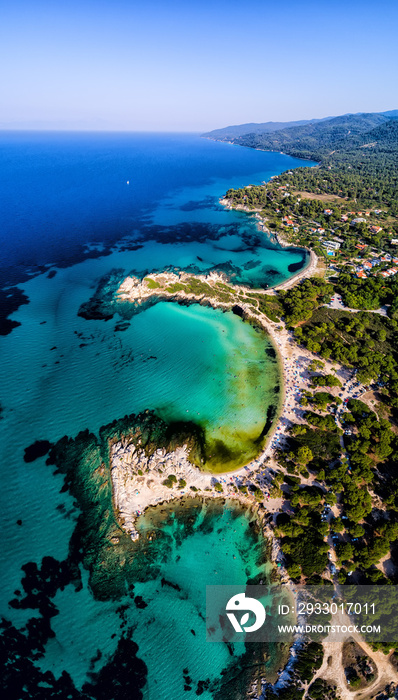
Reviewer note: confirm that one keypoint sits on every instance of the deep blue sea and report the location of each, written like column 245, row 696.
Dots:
column 75, row 207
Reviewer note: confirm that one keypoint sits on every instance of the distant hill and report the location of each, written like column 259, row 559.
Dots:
column 320, row 139
column 391, row 113
column 231, row 132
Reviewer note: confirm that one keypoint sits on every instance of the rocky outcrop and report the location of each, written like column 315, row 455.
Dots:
column 139, row 480
column 99, row 540
column 100, row 306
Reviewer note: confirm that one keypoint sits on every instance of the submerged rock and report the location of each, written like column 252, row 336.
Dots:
column 101, row 305
column 38, row 449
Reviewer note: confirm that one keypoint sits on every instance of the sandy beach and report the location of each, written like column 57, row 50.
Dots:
column 293, row 359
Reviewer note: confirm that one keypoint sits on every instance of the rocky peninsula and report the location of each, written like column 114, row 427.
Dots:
column 212, row 289
column 140, row 481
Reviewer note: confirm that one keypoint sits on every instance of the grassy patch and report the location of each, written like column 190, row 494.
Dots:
column 151, row 284
column 176, row 287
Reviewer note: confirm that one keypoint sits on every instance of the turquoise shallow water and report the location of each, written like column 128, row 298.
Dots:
column 61, row 374
column 254, row 262
column 170, row 630
column 187, row 363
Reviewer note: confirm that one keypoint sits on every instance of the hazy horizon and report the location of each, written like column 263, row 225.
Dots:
column 89, row 129
column 174, row 67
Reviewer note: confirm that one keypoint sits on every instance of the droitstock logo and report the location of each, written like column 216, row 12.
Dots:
column 276, row 613
column 242, row 603
column 237, row 613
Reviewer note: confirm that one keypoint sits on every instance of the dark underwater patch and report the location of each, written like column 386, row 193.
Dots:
column 221, row 452
column 295, row 267
column 19, row 649
column 164, row 582
column 101, row 305
column 122, row 326
column 270, row 271
column 271, row 413
column 10, row 301
column 42, row 583
column 202, row 686
column 238, row 311
column 251, row 264
column 36, row 450
column 131, row 247
column 122, row 676
column 140, row 602
column 207, row 203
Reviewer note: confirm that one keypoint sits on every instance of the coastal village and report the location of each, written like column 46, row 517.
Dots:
column 366, row 242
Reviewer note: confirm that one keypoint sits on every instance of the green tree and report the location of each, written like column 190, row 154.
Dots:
column 294, row 571
column 304, row 455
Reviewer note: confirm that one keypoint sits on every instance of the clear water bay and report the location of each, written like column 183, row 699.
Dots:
column 69, row 218
column 170, row 630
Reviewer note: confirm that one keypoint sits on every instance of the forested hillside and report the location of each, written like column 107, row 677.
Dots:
column 228, row 133
column 364, row 168
column 316, row 139
column 357, row 153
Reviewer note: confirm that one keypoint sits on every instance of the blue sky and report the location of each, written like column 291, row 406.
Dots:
column 193, row 66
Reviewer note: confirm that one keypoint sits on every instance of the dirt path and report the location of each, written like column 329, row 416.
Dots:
column 332, row 668
column 339, row 306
